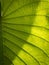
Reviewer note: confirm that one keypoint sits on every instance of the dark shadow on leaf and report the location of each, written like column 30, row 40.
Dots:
column 10, row 46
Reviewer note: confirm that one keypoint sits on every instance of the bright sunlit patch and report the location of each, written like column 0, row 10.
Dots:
column 17, row 61
column 40, row 32
column 41, row 15
column 25, row 56
column 40, row 20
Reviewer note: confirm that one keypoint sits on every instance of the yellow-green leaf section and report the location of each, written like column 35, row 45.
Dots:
column 25, row 32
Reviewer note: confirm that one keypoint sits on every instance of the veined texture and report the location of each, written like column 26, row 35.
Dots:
column 25, row 32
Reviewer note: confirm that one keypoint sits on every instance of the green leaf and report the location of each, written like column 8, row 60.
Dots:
column 24, row 32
